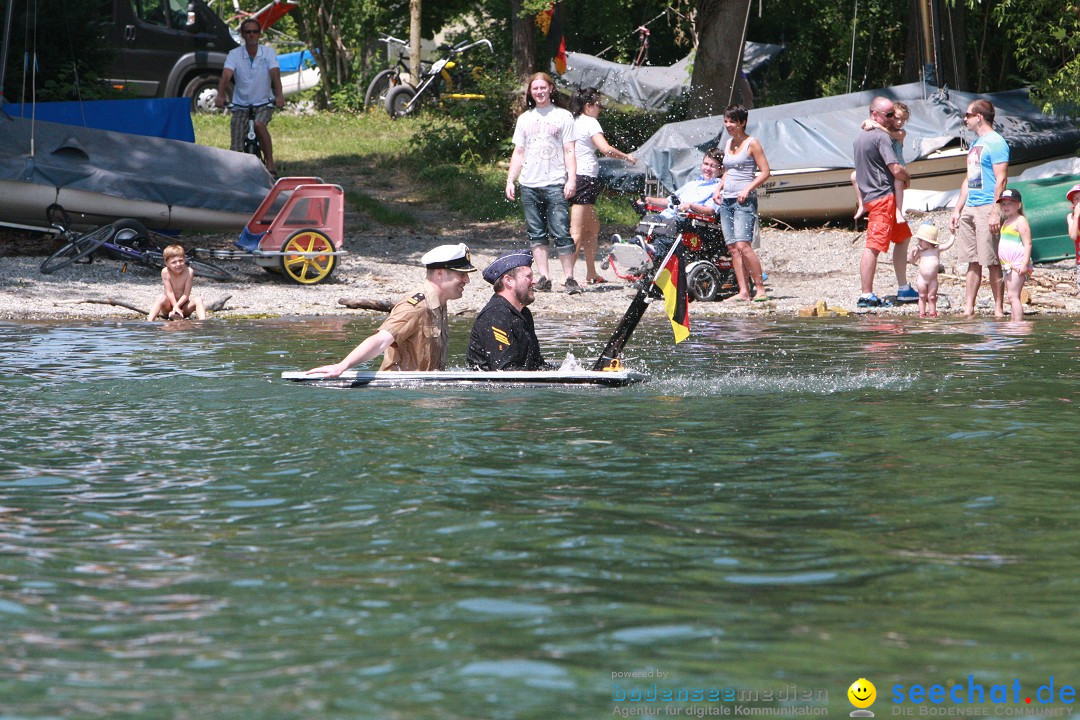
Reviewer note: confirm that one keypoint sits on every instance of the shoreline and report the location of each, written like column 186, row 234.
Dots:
column 805, row 267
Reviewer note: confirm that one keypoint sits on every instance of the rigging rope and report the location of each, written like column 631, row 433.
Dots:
column 851, row 59
column 640, row 27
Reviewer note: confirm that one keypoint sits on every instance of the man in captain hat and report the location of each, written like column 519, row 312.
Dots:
column 416, row 334
column 503, row 337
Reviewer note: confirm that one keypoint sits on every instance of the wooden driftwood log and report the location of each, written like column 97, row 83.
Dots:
column 212, row 307
column 367, row 304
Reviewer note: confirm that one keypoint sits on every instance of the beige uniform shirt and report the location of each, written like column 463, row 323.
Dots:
column 421, row 332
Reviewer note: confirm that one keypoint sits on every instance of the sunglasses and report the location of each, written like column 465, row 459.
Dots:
column 890, row 114
column 968, row 116
column 252, row 32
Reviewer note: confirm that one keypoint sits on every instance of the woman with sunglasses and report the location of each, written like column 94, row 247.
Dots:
column 588, row 139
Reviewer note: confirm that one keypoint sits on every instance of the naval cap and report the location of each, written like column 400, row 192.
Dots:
column 505, row 263
column 448, row 257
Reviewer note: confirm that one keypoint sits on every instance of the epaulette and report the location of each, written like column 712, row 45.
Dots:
column 416, row 299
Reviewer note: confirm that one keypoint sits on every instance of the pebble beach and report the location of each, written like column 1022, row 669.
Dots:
column 806, row 267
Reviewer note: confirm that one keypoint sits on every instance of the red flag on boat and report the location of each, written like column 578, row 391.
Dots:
column 671, row 280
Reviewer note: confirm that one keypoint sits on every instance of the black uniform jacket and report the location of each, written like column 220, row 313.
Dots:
column 503, row 338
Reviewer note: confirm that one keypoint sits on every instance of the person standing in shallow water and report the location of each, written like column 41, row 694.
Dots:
column 544, row 159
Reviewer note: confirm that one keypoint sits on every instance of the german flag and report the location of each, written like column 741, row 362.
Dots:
column 553, row 30
column 671, row 281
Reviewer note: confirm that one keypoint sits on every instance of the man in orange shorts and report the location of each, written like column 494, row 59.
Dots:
column 876, row 170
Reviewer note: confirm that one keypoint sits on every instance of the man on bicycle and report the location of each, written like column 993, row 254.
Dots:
column 258, row 81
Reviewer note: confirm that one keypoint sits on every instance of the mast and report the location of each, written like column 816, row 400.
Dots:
column 4, row 49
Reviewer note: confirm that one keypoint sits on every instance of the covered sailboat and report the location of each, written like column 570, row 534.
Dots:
column 809, row 146
column 100, row 175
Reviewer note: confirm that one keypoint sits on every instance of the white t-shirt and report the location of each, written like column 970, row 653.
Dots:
column 252, row 74
column 585, row 126
column 543, row 132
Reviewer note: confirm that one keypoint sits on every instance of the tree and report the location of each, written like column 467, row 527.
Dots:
column 524, row 39
column 719, row 26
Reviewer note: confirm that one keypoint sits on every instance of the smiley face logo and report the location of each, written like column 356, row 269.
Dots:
column 862, row 693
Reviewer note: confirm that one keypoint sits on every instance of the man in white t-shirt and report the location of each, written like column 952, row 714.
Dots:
column 258, row 81
column 544, row 158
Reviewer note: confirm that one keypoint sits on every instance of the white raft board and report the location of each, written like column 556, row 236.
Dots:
column 369, row 378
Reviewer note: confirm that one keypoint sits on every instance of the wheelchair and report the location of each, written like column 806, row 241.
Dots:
column 710, row 274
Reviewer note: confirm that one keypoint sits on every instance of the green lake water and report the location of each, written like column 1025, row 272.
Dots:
column 786, row 506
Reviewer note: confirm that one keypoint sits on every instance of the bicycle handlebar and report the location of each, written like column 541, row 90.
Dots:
column 234, row 106
column 465, row 45
column 391, row 39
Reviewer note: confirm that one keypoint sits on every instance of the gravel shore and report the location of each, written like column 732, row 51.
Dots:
column 804, row 267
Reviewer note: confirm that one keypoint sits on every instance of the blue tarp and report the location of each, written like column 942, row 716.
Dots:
column 162, row 118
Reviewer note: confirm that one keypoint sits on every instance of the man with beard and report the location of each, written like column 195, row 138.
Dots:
column 503, row 337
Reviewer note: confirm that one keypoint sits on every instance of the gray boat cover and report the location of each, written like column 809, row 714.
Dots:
column 651, row 87
column 820, row 134
column 133, row 167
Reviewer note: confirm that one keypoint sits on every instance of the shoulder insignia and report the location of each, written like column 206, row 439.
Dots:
column 500, row 336
column 416, row 299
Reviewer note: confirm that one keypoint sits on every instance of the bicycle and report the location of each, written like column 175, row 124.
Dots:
column 126, row 240
column 251, row 138
column 444, row 79
column 390, row 78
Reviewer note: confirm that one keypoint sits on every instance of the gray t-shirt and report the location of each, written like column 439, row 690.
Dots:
column 873, row 155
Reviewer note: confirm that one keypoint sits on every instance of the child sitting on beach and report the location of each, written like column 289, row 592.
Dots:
column 1014, row 248
column 1073, row 221
column 900, row 117
column 177, row 300
column 926, row 253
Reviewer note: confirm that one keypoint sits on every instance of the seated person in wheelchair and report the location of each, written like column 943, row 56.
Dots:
column 695, row 196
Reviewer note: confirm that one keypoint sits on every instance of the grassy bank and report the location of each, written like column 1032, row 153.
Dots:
column 358, row 151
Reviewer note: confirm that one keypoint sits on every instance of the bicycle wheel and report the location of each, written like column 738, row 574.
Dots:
column 210, row 271
column 397, row 101
column 377, row 88
column 77, row 249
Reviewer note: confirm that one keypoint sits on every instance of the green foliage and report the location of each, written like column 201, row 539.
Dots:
column 469, row 131
column 71, row 59
column 1045, row 38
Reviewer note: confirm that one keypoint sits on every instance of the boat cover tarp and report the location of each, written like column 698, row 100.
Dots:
column 132, row 166
column 652, row 87
column 157, row 117
column 820, row 133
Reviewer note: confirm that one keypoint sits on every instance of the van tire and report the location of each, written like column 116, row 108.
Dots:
column 203, row 93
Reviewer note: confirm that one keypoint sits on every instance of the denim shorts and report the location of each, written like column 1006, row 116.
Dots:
column 737, row 219
column 547, row 212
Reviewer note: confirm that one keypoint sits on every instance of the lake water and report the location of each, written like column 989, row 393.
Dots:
column 785, row 507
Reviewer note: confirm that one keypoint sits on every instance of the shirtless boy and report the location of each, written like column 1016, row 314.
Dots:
column 177, row 300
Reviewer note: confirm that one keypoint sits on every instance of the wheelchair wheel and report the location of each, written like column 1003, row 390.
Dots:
column 703, row 281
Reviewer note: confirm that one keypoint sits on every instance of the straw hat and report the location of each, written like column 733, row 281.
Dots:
column 928, row 232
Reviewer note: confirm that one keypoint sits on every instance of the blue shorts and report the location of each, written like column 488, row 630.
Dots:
column 738, row 220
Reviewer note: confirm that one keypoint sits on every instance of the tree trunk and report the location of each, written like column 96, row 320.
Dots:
column 524, row 41
column 719, row 31
column 414, row 41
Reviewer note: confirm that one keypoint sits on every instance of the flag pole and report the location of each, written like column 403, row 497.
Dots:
column 609, row 358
